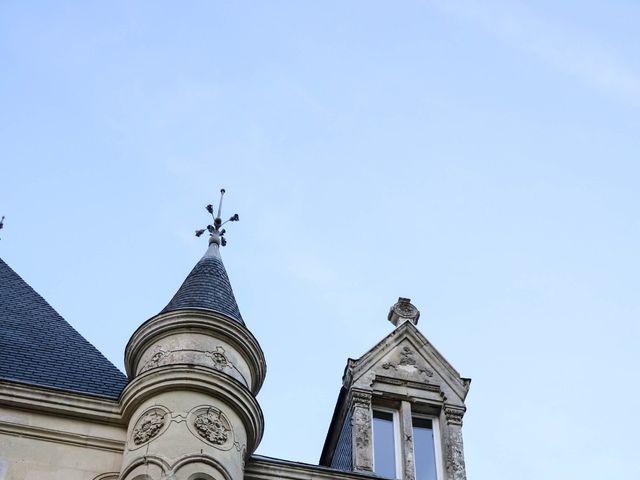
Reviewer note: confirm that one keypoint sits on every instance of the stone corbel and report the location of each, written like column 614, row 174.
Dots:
column 453, row 415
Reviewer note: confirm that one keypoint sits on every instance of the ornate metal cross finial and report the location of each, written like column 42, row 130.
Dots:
column 216, row 235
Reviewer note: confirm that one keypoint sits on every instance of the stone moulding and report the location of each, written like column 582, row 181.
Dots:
column 216, row 359
column 428, row 387
column 68, row 404
column 263, row 468
column 211, row 324
column 201, row 379
column 170, row 469
column 107, row 476
column 58, row 436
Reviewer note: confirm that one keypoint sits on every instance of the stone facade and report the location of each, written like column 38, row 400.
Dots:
column 189, row 410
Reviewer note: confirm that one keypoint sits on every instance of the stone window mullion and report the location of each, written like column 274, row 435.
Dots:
column 406, row 442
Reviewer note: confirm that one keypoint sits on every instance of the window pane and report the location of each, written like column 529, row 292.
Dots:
column 424, row 449
column 384, row 450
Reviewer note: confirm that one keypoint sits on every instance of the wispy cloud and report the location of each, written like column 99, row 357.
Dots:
column 560, row 46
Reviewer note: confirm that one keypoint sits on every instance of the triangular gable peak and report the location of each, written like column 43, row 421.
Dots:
column 401, row 386
column 406, row 358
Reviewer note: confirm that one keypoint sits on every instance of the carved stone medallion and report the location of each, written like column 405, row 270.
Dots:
column 212, row 426
column 403, row 310
column 219, row 359
column 149, row 425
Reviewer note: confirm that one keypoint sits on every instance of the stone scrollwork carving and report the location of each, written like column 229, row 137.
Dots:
column 219, row 359
column 149, row 425
column 407, row 362
column 155, row 360
column 216, row 359
column 212, row 426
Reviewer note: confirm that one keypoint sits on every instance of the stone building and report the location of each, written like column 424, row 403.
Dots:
column 187, row 409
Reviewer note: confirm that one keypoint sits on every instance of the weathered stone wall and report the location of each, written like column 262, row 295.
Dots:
column 50, row 447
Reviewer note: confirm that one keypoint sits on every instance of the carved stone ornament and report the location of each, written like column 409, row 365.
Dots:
column 213, row 426
column 219, row 359
column 453, row 415
column 455, row 456
column 361, row 427
column 149, row 425
column 155, row 360
column 361, row 420
column 361, row 399
column 403, row 310
column 216, row 359
column 407, row 362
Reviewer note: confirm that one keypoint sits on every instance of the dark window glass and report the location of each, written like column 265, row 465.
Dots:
column 384, row 449
column 424, row 448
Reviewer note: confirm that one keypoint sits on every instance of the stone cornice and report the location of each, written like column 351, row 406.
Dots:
column 195, row 378
column 59, row 436
column 68, row 404
column 193, row 321
column 264, row 468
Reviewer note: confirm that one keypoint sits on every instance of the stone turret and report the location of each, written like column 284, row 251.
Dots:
column 194, row 370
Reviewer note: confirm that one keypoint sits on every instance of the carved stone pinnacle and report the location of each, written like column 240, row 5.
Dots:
column 403, row 311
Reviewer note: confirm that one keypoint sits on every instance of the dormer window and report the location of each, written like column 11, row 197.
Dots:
column 387, row 444
column 399, row 413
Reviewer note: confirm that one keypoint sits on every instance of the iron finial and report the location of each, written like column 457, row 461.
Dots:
column 216, row 234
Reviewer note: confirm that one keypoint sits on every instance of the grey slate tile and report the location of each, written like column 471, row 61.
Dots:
column 37, row 346
column 207, row 287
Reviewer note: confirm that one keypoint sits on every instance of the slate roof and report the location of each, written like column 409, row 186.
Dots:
column 38, row 347
column 207, row 287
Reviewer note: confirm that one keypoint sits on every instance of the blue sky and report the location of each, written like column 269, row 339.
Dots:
column 478, row 157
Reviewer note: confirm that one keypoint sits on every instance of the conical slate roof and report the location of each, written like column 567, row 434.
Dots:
column 38, row 347
column 207, row 287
